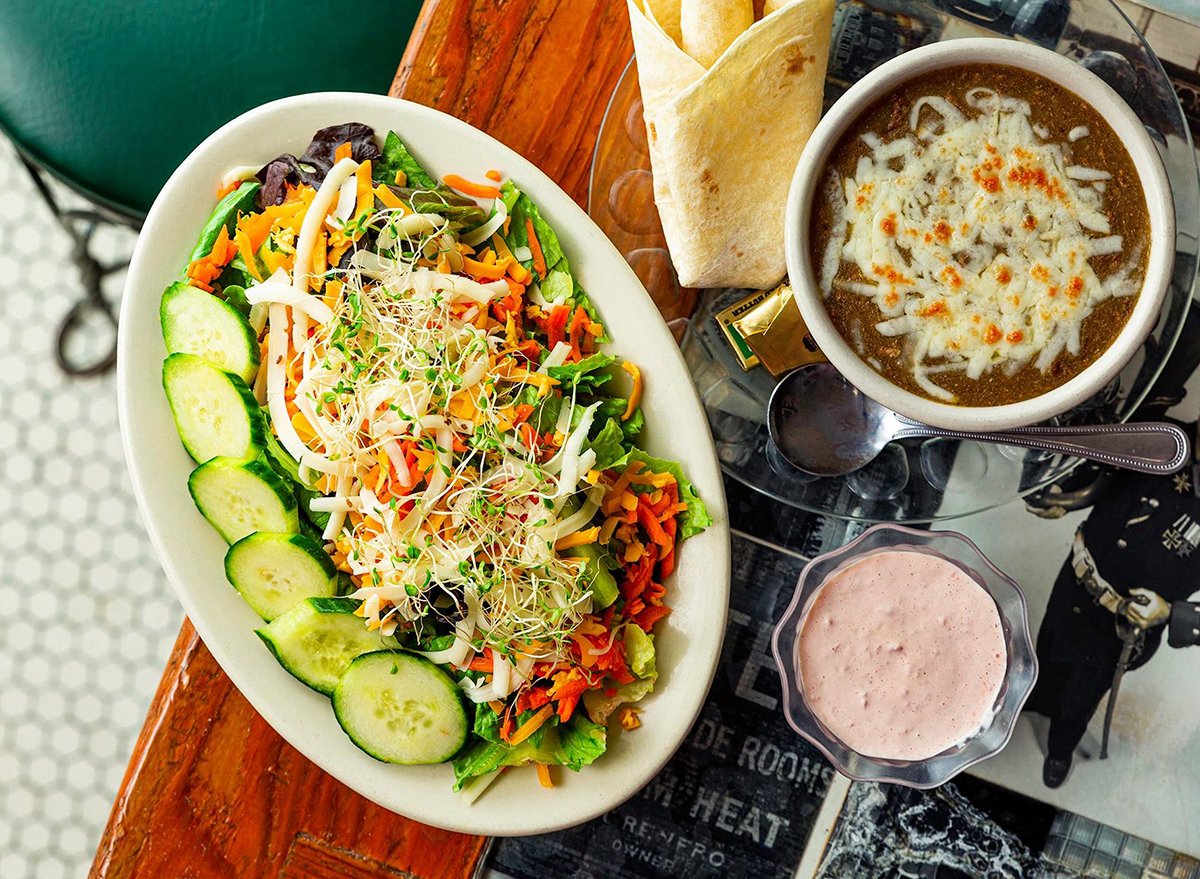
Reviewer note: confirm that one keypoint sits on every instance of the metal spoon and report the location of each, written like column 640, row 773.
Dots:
column 825, row 426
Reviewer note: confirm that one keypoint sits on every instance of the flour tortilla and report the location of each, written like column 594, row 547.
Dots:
column 664, row 69
column 666, row 14
column 724, row 142
column 708, row 27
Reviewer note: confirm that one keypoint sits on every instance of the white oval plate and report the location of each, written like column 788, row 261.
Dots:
column 192, row 553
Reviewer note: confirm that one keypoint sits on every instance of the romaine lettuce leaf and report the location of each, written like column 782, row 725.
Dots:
column 396, row 157
column 545, row 411
column 582, row 300
column 608, row 444
column 487, row 723
column 436, row 643
column 600, row 706
column 580, row 742
column 587, row 375
column 235, row 295
column 558, row 284
column 632, row 426
column 639, row 652
column 612, row 407
column 484, row 757
column 519, row 208
column 695, row 518
column 574, row 744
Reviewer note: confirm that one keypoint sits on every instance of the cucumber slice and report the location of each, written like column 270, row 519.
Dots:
column 275, row 571
column 318, row 639
column 195, row 322
column 601, row 582
column 215, row 411
column 401, row 708
column 240, row 497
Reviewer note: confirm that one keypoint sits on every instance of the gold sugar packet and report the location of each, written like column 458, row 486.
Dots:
column 771, row 327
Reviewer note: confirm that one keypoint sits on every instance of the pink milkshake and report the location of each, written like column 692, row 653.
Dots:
column 902, row 655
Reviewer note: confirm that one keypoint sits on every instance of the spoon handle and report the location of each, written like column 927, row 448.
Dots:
column 1149, row 446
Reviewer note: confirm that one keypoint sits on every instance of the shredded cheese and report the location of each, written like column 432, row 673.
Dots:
column 973, row 237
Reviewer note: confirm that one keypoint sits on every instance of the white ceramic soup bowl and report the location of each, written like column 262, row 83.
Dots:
column 1127, row 127
column 688, row 641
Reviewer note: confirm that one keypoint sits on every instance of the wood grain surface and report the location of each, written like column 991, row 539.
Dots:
column 534, row 74
column 211, row 790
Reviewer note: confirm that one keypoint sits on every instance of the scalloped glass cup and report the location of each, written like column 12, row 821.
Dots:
column 1019, row 676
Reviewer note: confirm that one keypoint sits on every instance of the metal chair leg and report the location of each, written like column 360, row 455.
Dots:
column 80, row 226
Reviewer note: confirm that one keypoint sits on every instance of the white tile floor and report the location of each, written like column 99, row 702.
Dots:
column 88, row 615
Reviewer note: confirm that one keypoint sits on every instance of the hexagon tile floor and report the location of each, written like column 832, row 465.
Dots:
column 89, row 615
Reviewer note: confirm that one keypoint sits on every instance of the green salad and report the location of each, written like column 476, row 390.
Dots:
column 426, row 467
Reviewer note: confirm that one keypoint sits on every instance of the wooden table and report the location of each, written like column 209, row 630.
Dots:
column 211, row 790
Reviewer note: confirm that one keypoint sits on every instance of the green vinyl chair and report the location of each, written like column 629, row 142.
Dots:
column 109, row 97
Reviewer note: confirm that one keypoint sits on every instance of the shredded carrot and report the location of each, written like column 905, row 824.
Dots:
column 532, row 725
column 342, row 152
column 579, row 322
column 246, row 251
column 535, row 247
column 257, row 227
column 556, row 327
column 223, row 249
column 647, row 617
column 228, row 188
column 635, row 395
column 612, row 500
column 481, row 663
column 475, row 190
column 494, row 176
column 655, row 530
column 531, row 698
column 543, row 771
column 523, row 411
column 303, row 428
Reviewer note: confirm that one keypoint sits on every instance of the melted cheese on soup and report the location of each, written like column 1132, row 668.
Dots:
column 973, row 235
